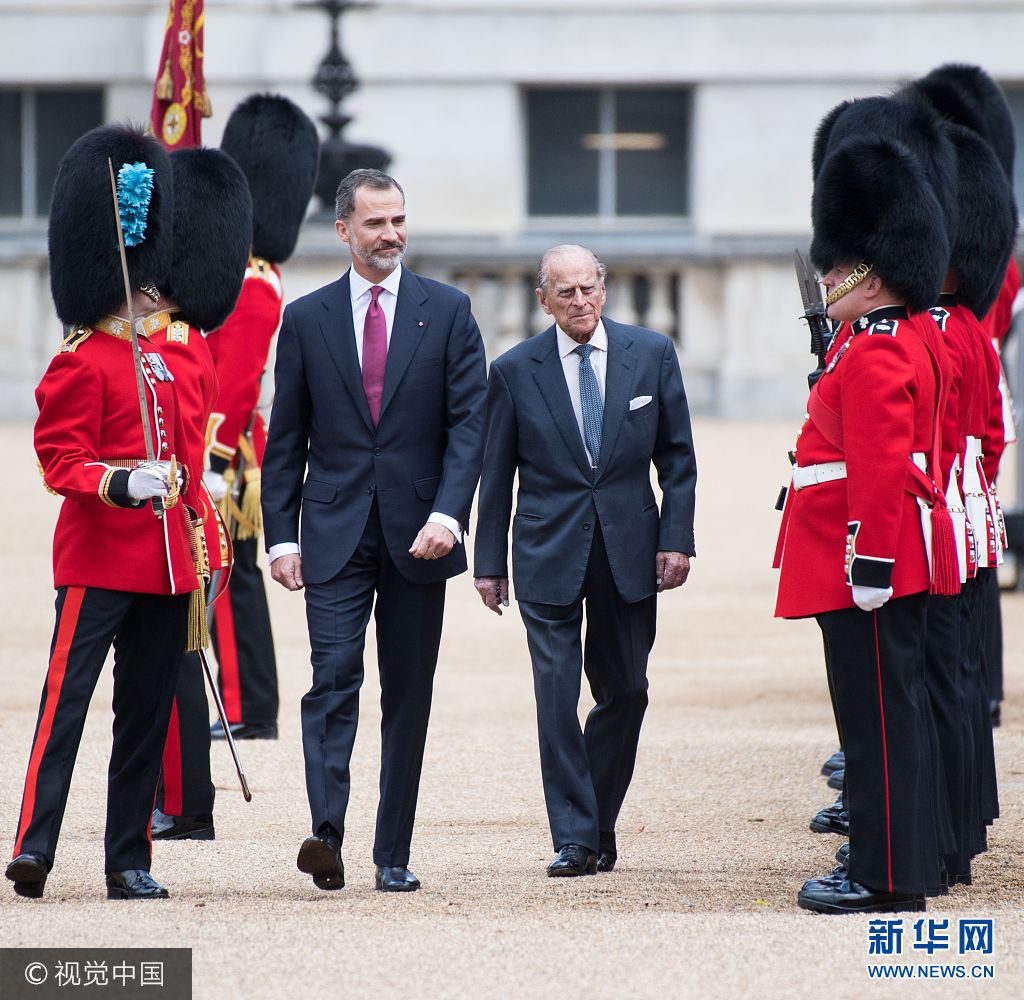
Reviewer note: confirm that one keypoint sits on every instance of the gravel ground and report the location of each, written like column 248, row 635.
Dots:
column 713, row 837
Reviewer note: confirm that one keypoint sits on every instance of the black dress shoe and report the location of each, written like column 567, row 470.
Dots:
column 573, row 860
column 606, row 853
column 165, row 827
column 838, row 874
column 320, row 856
column 28, row 873
column 245, row 731
column 134, row 883
column 395, row 878
column 832, row 819
column 843, row 854
column 835, row 779
column 824, row 896
column 834, row 763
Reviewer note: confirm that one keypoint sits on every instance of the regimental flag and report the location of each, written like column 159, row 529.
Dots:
column 180, row 101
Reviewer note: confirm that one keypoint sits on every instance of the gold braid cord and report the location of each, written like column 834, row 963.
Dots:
column 198, row 626
column 245, row 521
column 852, row 280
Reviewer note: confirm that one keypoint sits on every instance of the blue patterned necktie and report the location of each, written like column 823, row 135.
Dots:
column 590, row 402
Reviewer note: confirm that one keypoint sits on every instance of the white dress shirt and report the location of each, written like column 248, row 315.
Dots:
column 388, row 300
column 571, row 369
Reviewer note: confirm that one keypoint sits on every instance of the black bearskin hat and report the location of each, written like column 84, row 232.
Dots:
column 276, row 145
column 968, row 96
column 980, row 251
column 85, row 269
column 911, row 124
column 872, row 203
column 212, row 230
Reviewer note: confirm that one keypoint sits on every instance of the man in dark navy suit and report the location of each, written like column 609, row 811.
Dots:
column 581, row 411
column 376, row 438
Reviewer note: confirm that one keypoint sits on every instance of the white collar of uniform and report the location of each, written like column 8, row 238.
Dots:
column 360, row 286
column 566, row 345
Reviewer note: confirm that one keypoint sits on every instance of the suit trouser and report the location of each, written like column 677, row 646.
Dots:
column 186, row 787
column 148, row 633
column 408, row 624
column 244, row 643
column 586, row 773
column 877, row 664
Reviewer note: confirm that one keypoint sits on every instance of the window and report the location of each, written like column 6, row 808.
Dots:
column 36, row 129
column 608, row 152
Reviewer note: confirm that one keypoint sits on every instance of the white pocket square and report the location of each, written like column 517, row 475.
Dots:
column 638, row 401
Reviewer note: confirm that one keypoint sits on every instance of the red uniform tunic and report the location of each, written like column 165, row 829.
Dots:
column 879, row 392
column 240, row 348
column 88, row 436
column 196, row 387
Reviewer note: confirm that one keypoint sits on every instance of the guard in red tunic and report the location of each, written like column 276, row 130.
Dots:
column 276, row 146
column 852, row 552
column 967, row 95
column 212, row 230
column 124, row 551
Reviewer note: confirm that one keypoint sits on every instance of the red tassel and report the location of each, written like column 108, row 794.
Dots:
column 945, row 568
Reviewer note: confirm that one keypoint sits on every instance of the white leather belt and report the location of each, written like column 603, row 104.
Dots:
column 813, row 475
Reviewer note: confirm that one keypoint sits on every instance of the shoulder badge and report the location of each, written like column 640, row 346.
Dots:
column 889, row 326
column 940, row 316
column 78, row 336
column 177, row 333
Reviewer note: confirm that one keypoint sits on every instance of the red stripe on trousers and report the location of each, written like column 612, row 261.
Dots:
column 227, row 656
column 56, row 670
column 885, row 753
column 172, row 765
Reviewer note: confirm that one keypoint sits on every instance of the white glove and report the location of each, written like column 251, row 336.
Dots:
column 150, row 480
column 216, row 484
column 871, row 598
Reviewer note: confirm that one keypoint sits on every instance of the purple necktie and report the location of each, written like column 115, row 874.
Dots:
column 375, row 353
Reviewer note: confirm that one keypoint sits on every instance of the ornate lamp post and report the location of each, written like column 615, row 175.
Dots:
column 335, row 80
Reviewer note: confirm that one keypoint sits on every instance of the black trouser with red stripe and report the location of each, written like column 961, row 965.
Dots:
column 148, row 632
column 876, row 661
column 186, row 788
column 244, row 643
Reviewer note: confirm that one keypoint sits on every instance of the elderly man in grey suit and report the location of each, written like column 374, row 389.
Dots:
column 580, row 412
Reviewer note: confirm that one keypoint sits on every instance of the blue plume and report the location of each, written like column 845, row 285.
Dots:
column 134, row 191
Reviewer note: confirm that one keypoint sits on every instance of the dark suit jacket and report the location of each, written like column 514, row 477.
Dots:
column 531, row 428
column 325, row 459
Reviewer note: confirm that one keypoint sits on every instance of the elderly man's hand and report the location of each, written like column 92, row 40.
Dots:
column 672, row 569
column 493, row 591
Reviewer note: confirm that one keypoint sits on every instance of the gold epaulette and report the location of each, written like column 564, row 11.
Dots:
column 79, row 335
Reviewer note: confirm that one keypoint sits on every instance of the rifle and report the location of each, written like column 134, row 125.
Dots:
column 814, row 314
